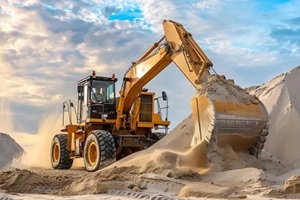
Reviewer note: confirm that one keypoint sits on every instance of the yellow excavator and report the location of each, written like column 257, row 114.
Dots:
column 109, row 128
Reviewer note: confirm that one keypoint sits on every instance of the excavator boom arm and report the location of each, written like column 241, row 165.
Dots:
column 186, row 53
column 180, row 48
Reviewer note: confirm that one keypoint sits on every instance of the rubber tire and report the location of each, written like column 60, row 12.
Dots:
column 105, row 150
column 62, row 160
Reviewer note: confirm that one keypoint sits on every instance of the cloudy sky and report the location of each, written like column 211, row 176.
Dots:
column 47, row 46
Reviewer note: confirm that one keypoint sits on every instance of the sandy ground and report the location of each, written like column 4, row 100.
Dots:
column 257, row 177
column 172, row 169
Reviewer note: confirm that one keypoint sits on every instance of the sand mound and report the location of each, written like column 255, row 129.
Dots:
column 282, row 99
column 9, row 149
column 206, row 190
column 218, row 88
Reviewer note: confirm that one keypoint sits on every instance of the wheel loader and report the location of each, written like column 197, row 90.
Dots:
column 109, row 127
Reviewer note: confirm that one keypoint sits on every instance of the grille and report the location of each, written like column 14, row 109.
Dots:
column 146, row 108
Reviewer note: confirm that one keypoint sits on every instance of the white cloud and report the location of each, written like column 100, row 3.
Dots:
column 208, row 5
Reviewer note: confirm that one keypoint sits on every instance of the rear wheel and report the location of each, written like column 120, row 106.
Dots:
column 99, row 150
column 60, row 158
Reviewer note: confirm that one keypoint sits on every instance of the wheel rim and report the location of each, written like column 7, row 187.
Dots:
column 92, row 153
column 55, row 152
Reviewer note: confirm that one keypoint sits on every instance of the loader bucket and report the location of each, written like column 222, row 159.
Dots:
column 236, row 123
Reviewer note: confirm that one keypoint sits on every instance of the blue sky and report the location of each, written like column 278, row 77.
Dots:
column 47, row 46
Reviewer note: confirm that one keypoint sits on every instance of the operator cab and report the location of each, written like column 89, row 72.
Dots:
column 96, row 98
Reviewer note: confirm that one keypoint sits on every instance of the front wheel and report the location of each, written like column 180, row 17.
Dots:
column 60, row 158
column 99, row 150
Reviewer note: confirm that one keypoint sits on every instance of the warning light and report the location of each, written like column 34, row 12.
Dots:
column 113, row 76
column 94, row 73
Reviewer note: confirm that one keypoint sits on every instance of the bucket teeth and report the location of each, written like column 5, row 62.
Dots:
column 261, row 139
column 259, row 144
column 254, row 151
column 265, row 132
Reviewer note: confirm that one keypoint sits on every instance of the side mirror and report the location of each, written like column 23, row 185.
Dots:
column 80, row 89
column 164, row 96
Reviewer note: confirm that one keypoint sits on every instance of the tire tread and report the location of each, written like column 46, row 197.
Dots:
column 65, row 162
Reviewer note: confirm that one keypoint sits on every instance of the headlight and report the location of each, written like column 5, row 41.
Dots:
column 104, row 115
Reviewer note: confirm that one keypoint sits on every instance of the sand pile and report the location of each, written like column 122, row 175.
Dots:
column 281, row 97
column 9, row 150
column 218, row 88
